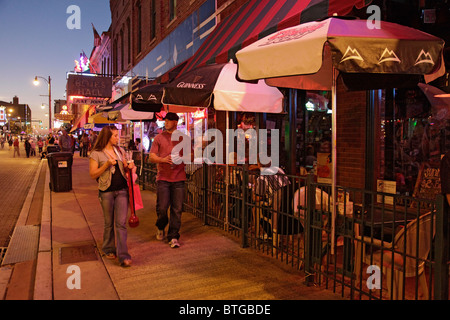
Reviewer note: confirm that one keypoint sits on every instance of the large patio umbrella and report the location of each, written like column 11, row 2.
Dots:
column 124, row 113
column 310, row 56
column 216, row 85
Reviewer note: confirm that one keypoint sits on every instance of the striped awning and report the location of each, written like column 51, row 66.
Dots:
column 259, row 18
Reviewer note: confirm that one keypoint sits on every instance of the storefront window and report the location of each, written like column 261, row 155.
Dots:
column 412, row 139
column 314, row 137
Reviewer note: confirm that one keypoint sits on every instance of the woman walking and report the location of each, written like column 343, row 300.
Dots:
column 108, row 166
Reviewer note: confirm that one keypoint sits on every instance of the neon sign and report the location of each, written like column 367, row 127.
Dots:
column 83, row 64
column 2, row 113
column 64, row 110
column 199, row 114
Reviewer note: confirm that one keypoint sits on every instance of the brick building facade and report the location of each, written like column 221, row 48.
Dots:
column 144, row 42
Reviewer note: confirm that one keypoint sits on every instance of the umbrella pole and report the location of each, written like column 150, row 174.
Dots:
column 333, row 159
column 227, row 176
column 142, row 148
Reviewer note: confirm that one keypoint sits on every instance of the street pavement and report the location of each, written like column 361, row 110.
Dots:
column 68, row 264
column 16, row 176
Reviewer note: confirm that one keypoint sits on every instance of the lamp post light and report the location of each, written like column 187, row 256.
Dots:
column 49, row 82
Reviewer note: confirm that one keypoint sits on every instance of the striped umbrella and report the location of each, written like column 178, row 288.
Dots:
column 259, row 18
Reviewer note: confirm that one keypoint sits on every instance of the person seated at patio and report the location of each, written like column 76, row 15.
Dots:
column 268, row 196
column 234, row 174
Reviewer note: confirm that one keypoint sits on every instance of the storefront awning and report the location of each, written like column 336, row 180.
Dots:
column 81, row 121
column 124, row 113
column 216, row 85
column 100, row 118
column 259, row 18
column 148, row 98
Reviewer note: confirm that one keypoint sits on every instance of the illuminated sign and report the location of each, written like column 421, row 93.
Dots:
column 97, row 102
column 87, row 86
column 199, row 114
column 64, row 110
column 2, row 113
column 83, row 64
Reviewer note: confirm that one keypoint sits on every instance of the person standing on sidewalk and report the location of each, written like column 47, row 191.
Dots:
column 107, row 164
column 85, row 140
column 16, row 147
column 170, row 181
column 27, row 147
column 40, row 144
column 65, row 141
column 33, row 147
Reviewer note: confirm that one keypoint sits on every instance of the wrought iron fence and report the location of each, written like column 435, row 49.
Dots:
column 375, row 246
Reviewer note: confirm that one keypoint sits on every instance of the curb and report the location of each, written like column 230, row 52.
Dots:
column 43, row 284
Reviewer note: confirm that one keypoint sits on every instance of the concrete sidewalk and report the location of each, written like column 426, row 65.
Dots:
column 210, row 265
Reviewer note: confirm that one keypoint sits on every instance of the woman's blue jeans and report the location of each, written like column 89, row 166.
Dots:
column 169, row 194
column 115, row 211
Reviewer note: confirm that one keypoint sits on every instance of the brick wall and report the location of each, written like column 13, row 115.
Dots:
column 121, row 11
column 351, row 137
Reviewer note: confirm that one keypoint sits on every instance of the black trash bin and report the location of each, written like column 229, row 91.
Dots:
column 50, row 149
column 53, row 148
column 60, row 165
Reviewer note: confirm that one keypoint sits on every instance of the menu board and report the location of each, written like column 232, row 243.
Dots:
column 428, row 183
column 386, row 186
column 324, row 167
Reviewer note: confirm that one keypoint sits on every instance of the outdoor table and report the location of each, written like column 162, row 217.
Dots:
column 380, row 222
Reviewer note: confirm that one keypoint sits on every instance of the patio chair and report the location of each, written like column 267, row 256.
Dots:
column 321, row 204
column 402, row 257
column 322, row 200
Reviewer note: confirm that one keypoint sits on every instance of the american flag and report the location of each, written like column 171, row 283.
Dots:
column 97, row 38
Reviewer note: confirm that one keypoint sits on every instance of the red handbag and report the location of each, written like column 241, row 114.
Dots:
column 135, row 200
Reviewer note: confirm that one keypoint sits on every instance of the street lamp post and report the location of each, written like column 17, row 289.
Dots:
column 49, row 82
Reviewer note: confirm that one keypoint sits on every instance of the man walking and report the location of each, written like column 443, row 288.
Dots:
column 65, row 142
column 170, row 181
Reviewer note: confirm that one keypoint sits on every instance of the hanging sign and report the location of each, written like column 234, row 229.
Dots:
column 97, row 102
column 89, row 86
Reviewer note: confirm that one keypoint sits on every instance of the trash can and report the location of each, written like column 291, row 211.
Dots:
column 60, row 165
column 53, row 148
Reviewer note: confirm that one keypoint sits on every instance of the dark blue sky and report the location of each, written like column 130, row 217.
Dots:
column 35, row 41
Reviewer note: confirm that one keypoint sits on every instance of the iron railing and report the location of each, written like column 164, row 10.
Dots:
column 378, row 246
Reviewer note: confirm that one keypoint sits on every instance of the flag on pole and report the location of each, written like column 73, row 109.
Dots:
column 97, row 38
